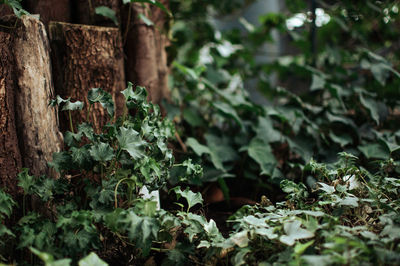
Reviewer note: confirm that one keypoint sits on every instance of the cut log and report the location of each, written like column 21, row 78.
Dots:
column 50, row 10
column 10, row 157
column 146, row 63
column 86, row 57
column 37, row 122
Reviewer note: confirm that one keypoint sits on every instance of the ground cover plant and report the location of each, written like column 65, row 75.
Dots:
column 320, row 168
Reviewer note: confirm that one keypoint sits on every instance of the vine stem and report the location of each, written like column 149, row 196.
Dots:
column 88, row 112
column 128, row 22
column 90, row 10
column 70, row 121
column 116, row 190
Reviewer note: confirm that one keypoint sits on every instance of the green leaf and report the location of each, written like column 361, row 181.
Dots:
column 265, row 130
column 48, row 259
column 371, row 106
column 317, row 82
column 101, row 152
column 107, row 12
column 61, row 161
column 198, row 148
column 130, row 141
column 103, row 97
column 152, row 2
column 220, row 150
column 26, row 181
column 142, row 230
column 145, row 19
column 375, row 150
column 6, row 204
column 81, row 156
column 261, row 152
column 191, row 197
column 342, row 140
column 71, row 106
column 92, row 260
column 294, row 232
column 328, row 189
column 229, row 111
column 300, row 248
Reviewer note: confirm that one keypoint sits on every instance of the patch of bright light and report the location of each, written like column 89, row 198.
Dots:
column 297, row 20
column 321, row 17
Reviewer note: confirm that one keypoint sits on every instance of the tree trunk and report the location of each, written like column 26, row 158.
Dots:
column 37, row 122
column 10, row 157
column 87, row 57
column 85, row 12
column 50, row 10
column 28, row 126
column 146, row 63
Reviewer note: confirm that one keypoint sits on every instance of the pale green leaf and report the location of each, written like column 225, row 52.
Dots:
column 107, row 12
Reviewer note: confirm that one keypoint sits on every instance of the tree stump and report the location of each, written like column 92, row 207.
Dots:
column 28, row 126
column 146, row 63
column 86, row 57
column 37, row 122
column 10, row 157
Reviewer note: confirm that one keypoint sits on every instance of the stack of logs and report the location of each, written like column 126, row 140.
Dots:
column 67, row 53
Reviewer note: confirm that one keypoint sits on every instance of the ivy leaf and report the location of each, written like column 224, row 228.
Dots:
column 145, row 19
column 87, row 130
column 261, row 152
column 371, row 106
column 198, row 148
column 375, row 150
column 103, row 97
column 265, row 130
column 229, row 111
column 81, row 156
column 139, row 95
column 328, row 189
column 294, row 232
column 6, row 205
column 191, row 197
column 142, row 230
column 71, row 106
column 152, row 2
column 130, row 141
column 101, row 152
column 61, row 161
column 107, row 12
column 26, row 181
column 92, row 260
column 317, row 82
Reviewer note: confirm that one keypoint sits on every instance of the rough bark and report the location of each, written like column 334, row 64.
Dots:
column 146, row 63
column 85, row 12
column 10, row 157
column 37, row 122
column 87, row 57
column 5, row 10
column 50, row 10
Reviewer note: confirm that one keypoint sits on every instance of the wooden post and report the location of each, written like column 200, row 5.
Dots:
column 146, row 63
column 10, row 157
column 86, row 57
column 28, row 126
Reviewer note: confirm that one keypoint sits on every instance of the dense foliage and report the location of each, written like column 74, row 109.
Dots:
column 320, row 158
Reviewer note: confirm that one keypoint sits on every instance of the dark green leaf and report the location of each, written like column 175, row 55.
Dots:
column 101, row 152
